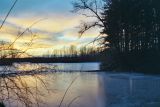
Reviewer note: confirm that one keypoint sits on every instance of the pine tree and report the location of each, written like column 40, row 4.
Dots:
column 132, row 25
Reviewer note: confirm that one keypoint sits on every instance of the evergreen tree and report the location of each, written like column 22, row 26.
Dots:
column 132, row 25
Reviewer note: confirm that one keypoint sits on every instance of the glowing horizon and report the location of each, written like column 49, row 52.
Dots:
column 59, row 28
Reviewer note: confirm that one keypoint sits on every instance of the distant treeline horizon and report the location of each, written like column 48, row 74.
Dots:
column 70, row 51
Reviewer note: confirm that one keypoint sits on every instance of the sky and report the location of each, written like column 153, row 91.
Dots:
column 58, row 27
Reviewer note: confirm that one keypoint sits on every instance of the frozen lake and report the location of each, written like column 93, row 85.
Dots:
column 92, row 89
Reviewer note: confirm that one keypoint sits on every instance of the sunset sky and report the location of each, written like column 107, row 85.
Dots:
column 58, row 29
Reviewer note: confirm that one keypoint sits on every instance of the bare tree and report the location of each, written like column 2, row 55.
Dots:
column 13, row 86
column 90, row 9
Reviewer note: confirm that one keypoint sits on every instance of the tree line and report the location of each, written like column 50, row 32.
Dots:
column 132, row 25
column 130, row 30
column 73, row 51
column 129, row 25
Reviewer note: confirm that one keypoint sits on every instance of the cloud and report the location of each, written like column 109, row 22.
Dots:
column 58, row 30
column 52, row 23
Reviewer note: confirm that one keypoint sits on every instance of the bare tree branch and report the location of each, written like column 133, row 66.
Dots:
column 66, row 92
column 8, row 14
column 73, row 100
column 27, row 29
column 90, row 9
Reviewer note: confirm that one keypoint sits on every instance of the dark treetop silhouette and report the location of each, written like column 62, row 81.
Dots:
column 132, row 29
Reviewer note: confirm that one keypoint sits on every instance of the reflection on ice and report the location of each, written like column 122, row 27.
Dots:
column 91, row 89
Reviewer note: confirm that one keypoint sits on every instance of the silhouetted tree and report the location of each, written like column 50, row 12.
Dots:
column 132, row 25
column 91, row 9
column 132, row 29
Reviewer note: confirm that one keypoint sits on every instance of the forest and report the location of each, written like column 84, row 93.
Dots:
column 131, row 29
column 79, row 53
column 129, row 35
